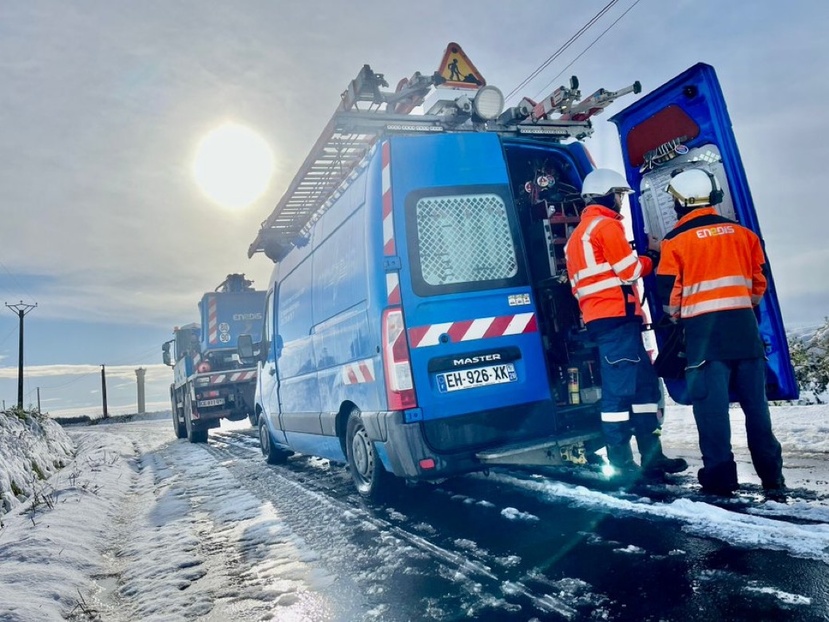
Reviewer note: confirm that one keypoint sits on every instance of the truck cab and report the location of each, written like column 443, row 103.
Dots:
column 210, row 381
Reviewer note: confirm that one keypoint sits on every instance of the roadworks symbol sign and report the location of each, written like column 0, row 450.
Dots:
column 458, row 70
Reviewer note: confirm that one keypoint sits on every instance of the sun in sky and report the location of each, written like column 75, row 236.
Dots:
column 233, row 165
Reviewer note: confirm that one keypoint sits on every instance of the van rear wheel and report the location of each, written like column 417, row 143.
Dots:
column 367, row 471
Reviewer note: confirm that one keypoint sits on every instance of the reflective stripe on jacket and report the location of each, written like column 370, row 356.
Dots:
column 602, row 267
column 710, row 264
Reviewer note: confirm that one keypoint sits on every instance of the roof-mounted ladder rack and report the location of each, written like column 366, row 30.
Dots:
column 352, row 133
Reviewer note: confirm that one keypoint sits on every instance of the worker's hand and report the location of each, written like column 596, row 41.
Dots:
column 654, row 244
column 653, row 256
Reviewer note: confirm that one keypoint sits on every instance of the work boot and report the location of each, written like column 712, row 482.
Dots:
column 654, row 462
column 720, row 479
column 775, row 489
column 621, row 459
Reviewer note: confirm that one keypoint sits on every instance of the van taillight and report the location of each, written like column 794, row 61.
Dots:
column 399, row 385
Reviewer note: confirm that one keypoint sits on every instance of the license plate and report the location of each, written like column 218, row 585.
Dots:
column 219, row 401
column 477, row 377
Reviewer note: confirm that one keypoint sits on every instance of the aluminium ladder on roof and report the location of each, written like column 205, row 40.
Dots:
column 346, row 140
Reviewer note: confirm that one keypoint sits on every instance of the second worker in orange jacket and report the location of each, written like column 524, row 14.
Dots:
column 710, row 277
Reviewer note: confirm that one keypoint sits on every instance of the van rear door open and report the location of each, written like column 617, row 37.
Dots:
column 682, row 124
column 468, row 306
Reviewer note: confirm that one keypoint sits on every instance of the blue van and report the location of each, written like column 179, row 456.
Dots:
column 419, row 322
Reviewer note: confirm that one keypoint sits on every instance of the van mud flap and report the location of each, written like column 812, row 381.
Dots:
column 551, row 451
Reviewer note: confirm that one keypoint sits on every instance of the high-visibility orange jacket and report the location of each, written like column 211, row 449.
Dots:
column 603, row 268
column 711, row 274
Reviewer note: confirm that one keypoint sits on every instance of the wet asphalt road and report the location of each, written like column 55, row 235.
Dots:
column 494, row 548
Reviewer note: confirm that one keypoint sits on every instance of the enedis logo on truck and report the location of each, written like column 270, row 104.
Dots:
column 241, row 317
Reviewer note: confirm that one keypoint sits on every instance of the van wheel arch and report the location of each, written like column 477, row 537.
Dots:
column 341, row 423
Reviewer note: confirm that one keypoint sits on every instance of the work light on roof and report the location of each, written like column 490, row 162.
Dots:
column 488, row 103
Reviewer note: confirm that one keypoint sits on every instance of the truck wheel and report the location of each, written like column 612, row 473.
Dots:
column 179, row 427
column 272, row 453
column 194, row 435
column 367, row 471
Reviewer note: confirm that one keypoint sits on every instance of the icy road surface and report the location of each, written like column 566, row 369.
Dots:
column 144, row 527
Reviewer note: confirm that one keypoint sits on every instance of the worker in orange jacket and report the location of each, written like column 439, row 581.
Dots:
column 603, row 270
column 710, row 277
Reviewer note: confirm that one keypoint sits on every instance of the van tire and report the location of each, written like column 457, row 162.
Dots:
column 272, row 453
column 367, row 471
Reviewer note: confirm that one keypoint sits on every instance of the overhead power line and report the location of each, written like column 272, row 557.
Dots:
column 592, row 43
column 560, row 50
column 16, row 282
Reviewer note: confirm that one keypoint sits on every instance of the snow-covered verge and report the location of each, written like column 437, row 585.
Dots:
column 49, row 557
column 141, row 527
column 32, row 449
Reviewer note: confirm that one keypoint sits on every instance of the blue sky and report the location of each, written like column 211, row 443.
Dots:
column 103, row 104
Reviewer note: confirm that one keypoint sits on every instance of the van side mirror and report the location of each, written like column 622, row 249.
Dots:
column 244, row 347
column 165, row 354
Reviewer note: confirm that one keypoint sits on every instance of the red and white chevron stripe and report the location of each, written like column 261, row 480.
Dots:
column 393, row 288
column 389, row 248
column 212, row 321
column 359, row 372
column 234, row 376
column 388, row 219
column 470, row 330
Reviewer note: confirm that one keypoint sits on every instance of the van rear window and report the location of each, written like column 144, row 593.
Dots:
column 463, row 242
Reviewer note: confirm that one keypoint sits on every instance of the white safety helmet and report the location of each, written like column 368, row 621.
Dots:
column 602, row 182
column 695, row 187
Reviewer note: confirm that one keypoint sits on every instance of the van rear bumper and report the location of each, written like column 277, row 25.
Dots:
column 409, row 452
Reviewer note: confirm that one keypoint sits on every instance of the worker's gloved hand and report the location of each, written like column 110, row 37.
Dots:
column 653, row 256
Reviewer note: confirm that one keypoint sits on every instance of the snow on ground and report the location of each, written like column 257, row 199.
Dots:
column 132, row 504
column 801, row 428
column 152, row 513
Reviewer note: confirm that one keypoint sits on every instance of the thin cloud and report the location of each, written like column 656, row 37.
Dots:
column 123, row 372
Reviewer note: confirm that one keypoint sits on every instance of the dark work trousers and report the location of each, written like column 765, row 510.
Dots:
column 708, row 386
column 630, row 387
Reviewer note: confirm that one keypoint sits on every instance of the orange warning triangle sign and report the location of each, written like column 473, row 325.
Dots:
column 458, row 70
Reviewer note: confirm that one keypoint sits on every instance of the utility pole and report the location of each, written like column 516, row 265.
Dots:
column 38, row 400
column 140, row 375
column 104, row 388
column 21, row 310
